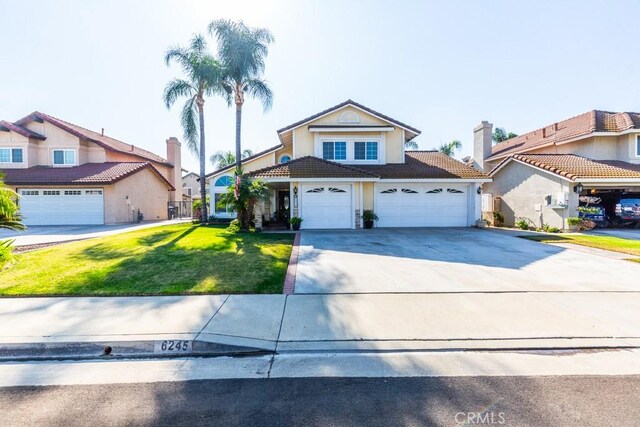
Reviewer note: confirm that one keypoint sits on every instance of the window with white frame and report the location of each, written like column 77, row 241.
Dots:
column 11, row 155
column 334, row 150
column 638, row 146
column 64, row 157
column 365, row 150
column 219, row 189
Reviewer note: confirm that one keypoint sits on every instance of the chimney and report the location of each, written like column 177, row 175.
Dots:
column 175, row 175
column 482, row 144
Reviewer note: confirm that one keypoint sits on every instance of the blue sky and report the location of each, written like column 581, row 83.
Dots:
column 439, row 66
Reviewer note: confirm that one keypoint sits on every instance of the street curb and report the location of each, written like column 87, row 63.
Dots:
column 109, row 350
column 290, row 278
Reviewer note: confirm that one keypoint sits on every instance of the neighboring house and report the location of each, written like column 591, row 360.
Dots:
column 66, row 174
column 331, row 166
column 191, row 186
column 541, row 175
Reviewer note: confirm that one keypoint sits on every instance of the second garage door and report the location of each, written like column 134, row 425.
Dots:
column 326, row 205
column 62, row 206
column 420, row 205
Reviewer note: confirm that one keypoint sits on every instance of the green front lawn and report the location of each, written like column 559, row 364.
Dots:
column 609, row 243
column 176, row 259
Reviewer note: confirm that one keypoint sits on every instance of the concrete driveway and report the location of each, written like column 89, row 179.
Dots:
column 42, row 234
column 449, row 260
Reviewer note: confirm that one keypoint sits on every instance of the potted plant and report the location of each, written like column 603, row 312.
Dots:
column 295, row 222
column 368, row 216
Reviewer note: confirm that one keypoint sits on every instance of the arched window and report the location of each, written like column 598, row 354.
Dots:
column 223, row 181
column 285, row 158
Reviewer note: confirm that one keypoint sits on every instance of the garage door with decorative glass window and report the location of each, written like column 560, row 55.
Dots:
column 420, row 205
column 326, row 206
column 62, row 206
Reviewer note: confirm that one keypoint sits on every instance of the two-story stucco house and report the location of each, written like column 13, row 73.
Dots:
column 66, row 174
column 542, row 174
column 333, row 165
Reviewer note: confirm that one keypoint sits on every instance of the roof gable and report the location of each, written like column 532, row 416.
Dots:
column 21, row 130
column 582, row 125
column 104, row 141
column 355, row 105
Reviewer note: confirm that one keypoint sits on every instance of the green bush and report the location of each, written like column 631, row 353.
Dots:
column 6, row 252
column 234, row 226
column 573, row 221
column 498, row 219
column 522, row 224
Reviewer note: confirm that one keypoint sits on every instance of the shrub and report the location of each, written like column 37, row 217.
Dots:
column 522, row 224
column 296, row 220
column 234, row 226
column 6, row 252
column 498, row 219
column 369, row 215
column 573, row 221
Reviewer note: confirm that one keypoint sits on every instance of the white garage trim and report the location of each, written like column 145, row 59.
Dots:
column 410, row 204
column 62, row 206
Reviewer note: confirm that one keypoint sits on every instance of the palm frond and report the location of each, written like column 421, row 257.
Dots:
column 177, row 88
column 260, row 90
column 411, row 145
column 189, row 123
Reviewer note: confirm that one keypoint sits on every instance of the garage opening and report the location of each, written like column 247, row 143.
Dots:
column 62, row 206
column 326, row 206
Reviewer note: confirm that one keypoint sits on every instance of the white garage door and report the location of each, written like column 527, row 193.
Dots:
column 62, row 206
column 420, row 205
column 326, row 206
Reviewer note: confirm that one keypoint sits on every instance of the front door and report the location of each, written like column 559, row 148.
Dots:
column 284, row 204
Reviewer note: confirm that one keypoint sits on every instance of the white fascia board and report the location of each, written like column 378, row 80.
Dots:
column 353, row 129
column 601, row 181
column 452, row 180
column 320, row 179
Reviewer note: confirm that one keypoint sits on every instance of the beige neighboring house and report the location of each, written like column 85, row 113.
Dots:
column 331, row 166
column 68, row 175
column 542, row 174
column 191, row 186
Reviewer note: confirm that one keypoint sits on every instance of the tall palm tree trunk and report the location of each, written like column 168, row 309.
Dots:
column 238, row 137
column 203, row 191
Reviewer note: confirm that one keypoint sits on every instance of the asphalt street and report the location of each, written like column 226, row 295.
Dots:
column 450, row 401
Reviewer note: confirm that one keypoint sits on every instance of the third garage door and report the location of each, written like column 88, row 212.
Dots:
column 422, row 205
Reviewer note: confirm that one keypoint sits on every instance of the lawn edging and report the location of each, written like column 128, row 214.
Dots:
column 290, row 278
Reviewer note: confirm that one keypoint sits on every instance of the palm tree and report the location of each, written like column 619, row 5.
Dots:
column 411, row 144
column 222, row 159
column 203, row 78
column 242, row 51
column 450, row 148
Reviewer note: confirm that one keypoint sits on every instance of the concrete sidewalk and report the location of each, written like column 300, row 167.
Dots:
column 223, row 324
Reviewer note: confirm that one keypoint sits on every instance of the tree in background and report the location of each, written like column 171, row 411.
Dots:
column 411, row 144
column 9, row 219
column 203, row 78
column 450, row 148
column 222, row 159
column 501, row 135
column 242, row 51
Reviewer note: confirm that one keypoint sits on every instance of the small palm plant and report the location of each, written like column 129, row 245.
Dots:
column 203, row 78
column 9, row 220
column 244, row 198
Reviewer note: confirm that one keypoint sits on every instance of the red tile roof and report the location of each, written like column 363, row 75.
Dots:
column 574, row 127
column 21, row 130
column 311, row 167
column 419, row 165
column 86, row 174
column 575, row 167
column 102, row 140
column 425, row 165
column 344, row 104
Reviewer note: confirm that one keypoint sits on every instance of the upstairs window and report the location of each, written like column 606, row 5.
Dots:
column 10, row 155
column 334, row 150
column 64, row 157
column 365, row 150
column 638, row 146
